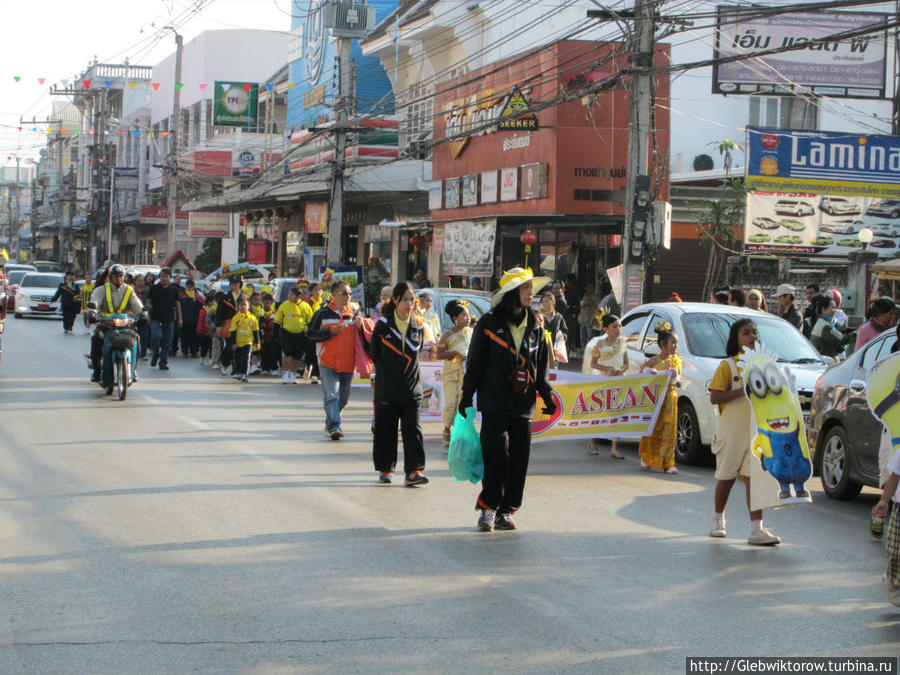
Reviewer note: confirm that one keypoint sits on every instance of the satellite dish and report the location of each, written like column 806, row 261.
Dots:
column 703, row 163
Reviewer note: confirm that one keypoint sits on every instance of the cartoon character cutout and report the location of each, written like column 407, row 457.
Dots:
column 883, row 395
column 777, row 427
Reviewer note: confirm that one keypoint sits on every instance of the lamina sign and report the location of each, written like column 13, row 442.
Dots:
column 860, row 156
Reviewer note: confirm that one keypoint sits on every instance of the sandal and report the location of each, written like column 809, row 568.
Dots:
column 671, row 470
column 592, row 447
column 645, row 466
column 615, row 455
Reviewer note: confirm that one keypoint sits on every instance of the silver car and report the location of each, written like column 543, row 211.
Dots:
column 35, row 293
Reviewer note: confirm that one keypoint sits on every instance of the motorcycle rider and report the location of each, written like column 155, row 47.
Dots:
column 112, row 297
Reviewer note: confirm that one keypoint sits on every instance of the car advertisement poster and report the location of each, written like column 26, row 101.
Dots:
column 825, row 225
column 780, row 465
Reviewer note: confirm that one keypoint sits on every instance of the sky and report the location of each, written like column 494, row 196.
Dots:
column 58, row 39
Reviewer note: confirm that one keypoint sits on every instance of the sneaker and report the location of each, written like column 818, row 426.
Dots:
column 487, row 520
column 876, row 525
column 95, row 376
column 314, row 380
column 385, row 477
column 286, row 378
column 164, row 367
column 717, row 529
column 416, row 478
column 243, row 378
column 505, row 521
column 224, row 371
column 784, row 494
column 254, row 369
column 763, row 538
column 336, row 435
column 154, row 361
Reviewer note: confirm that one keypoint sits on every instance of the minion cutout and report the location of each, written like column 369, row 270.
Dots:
column 883, row 395
column 778, row 433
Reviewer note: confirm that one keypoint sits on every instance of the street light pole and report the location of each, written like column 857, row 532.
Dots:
column 172, row 163
column 336, row 208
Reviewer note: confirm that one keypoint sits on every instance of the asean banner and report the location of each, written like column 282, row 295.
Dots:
column 611, row 407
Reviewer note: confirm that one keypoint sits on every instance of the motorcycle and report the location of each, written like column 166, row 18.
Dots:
column 119, row 355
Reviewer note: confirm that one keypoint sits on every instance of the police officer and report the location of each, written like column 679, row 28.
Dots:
column 112, row 297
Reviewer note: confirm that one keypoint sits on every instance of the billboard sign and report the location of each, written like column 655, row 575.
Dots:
column 236, row 104
column 849, row 68
column 315, row 217
column 469, row 248
column 823, row 162
column 210, row 224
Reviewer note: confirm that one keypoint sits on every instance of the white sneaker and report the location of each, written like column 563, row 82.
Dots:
column 314, row 380
column 254, row 369
column 293, row 378
column 763, row 538
column 286, row 378
column 717, row 529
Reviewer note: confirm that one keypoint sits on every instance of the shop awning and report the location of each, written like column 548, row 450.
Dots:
column 889, row 270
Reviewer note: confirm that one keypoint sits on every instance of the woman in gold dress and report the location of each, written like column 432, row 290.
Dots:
column 657, row 451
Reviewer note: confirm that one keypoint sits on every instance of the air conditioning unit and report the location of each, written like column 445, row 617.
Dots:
column 348, row 19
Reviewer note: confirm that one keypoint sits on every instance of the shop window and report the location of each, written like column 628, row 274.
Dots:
column 783, row 112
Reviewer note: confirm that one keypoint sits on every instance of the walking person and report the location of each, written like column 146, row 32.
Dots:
column 880, row 317
column 69, row 301
column 453, row 348
column 507, row 367
column 891, row 577
column 165, row 312
column 396, row 342
column 554, row 323
column 311, row 357
column 191, row 303
column 142, row 324
column 292, row 318
column 246, row 337
column 787, row 309
column 271, row 349
column 86, row 290
column 333, row 328
column 731, row 444
column 226, row 308
column 657, row 451
column 609, row 357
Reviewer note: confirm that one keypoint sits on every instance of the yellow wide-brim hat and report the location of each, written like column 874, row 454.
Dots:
column 514, row 278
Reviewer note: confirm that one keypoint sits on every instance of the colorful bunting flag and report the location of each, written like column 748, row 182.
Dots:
column 108, row 83
column 86, row 83
column 270, row 87
column 155, row 86
column 17, row 77
column 132, row 84
column 247, row 86
column 203, row 86
column 179, row 85
column 41, row 80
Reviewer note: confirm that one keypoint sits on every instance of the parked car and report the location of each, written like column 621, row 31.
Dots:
column 35, row 292
column 794, row 207
column 13, row 278
column 839, row 206
column 764, row 223
column 843, row 433
column 885, row 207
column 281, row 286
column 702, row 331
column 252, row 273
column 479, row 302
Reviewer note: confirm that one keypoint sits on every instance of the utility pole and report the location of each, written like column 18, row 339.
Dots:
column 59, row 189
column 171, row 183
column 18, row 212
column 637, row 200
column 336, row 208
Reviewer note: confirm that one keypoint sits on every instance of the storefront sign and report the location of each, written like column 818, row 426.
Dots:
column 852, row 68
column 509, row 184
column 470, row 190
column 451, row 193
column 469, row 248
column 486, row 112
column 315, row 217
column 437, row 240
column 435, row 195
column 513, row 115
column 534, row 180
column 821, row 161
column 203, row 224
column 488, row 187
column 159, row 215
column 235, row 104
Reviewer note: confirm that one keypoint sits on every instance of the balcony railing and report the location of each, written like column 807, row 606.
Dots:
column 111, row 71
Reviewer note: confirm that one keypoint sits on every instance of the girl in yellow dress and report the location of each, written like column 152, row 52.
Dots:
column 609, row 357
column 453, row 348
column 657, row 451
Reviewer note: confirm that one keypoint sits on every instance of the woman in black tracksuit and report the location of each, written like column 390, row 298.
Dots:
column 69, row 301
column 395, row 344
column 507, row 366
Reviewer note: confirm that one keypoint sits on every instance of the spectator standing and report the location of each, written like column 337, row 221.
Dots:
column 587, row 309
column 69, row 301
column 507, row 367
column 429, row 317
column 476, row 284
column 246, row 336
column 453, row 348
column 737, row 297
column 86, row 290
column 397, row 339
column 191, row 303
column 333, row 327
column 824, row 333
column 880, row 317
column 812, row 291
column 292, row 318
column 420, row 280
column 787, row 310
column 561, row 306
column 165, row 312
column 756, row 300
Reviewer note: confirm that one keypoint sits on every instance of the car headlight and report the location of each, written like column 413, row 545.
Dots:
column 24, row 299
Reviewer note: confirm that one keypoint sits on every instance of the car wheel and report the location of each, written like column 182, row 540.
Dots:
column 688, row 448
column 18, row 316
column 835, row 466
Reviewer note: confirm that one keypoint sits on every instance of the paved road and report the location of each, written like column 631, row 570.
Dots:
column 204, row 525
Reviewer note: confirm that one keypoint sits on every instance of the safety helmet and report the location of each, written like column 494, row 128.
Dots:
column 116, row 269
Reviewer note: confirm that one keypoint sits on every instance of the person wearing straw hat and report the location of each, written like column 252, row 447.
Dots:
column 506, row 366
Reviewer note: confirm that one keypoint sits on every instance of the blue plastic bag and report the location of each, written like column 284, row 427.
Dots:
column 465, row 458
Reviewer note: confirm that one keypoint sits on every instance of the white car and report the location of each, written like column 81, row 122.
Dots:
column 702, row 331
column 35, row 293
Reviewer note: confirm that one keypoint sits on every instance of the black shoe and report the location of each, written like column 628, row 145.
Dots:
column 154, row 361
column 95, row 376
column 134, row 377
column 163, row 366
column 505, row 521
column 487, row 519
column 784, row 494
column 802, row 494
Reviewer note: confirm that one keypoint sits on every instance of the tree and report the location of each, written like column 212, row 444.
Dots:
column 210, row 256
column 718, row 219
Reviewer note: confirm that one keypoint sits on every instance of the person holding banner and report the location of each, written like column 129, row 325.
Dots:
column 657, row 451
column 731, row 444
column 609, row 357
column 452, row 348
column 507, row 366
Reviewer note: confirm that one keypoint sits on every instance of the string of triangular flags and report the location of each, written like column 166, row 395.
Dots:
column 89, row 84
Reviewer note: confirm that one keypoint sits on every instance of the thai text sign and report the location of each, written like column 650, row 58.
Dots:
column 236, row 104
column 823, row 162
column 611, row 407
column 848, row 68
column 209, row 224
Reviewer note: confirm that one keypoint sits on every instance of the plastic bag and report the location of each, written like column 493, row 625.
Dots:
column 465, row 458
column 559, row 349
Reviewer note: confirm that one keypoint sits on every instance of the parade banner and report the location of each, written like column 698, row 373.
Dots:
column 588, row 406
column 883, row 396
column 777, row 431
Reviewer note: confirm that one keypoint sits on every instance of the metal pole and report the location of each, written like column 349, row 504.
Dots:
column 336, row 208
column 638, row 145
column 171, row 184
column 59, row 195
column 112, row 192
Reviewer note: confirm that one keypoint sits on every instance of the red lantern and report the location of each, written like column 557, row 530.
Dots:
column 416, row 240
column 528, row 238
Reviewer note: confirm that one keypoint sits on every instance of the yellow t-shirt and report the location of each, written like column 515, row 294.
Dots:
column 402, row 326
column 722, row 378
column 86, row 291
column 293, row 317
column 245, row 328
column 518, row 332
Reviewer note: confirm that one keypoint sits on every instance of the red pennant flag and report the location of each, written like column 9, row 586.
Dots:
column 86, row 83
column 20, row 128
column 165, row 133
column 155, row 86
column 247, row 87
column 62, row 131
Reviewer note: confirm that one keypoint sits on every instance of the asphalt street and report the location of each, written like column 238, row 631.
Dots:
column 204, row 525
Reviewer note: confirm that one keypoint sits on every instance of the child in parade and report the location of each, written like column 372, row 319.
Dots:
column 270, row 350
column 609, row 357
column 657, row 451
column 203, row 339
column 891, row 578
column 256, row 309
column 292, row 318
column 396, row 340
column 452, row 348
column 732, row 440
column 246, row 337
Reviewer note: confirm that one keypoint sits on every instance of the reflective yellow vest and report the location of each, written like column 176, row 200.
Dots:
column 125, row 298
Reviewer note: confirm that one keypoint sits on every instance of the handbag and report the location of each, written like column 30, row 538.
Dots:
column 464, row 457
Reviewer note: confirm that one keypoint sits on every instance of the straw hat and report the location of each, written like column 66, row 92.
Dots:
column 514, row 278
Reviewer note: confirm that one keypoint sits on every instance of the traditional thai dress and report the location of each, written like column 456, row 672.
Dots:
column 612, row 355
column 658, row 449
column 453, row 372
